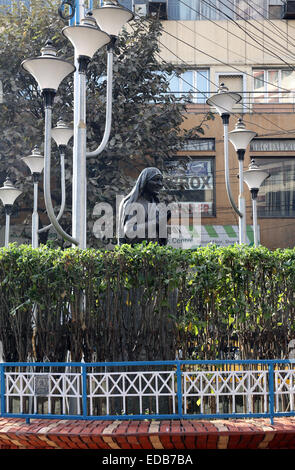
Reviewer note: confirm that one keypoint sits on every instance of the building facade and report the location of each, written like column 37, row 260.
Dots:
column 250, row 48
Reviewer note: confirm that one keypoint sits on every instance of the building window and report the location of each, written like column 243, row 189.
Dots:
column 276, row 197
column 272, row 145
column 191, row 83
column 235, row 82
column 190, row 179
column 273, row 85
column 199, row 145
column 204, row 10
column 223, row 9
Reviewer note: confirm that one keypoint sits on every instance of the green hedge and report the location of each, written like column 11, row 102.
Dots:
column 145, row 302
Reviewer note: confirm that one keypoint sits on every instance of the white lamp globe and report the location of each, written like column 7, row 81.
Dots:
column 111, row 17
column 241, row 137
column 223, row 100
column 61, row 133
column 86, row 38
column 47, row 69
column 35, row 161
column 254, row 176
column 8, row 193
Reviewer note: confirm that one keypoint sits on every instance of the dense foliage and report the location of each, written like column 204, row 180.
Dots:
column 146, row 302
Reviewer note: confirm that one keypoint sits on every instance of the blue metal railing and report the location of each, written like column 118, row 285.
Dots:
column 153, row 389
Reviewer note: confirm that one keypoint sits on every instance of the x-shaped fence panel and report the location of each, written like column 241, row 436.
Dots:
column 154, row 389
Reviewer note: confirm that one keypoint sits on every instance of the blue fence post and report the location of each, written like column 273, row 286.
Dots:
column 2, row 387
column 271, row 391
column 84, row 390
column 179, row 389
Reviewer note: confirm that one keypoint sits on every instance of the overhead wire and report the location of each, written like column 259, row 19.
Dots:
column 207, row 2
column 284, row 131
column 241, row 71
column 265, row 81
column 252, row 22
column 274, row 25
column 181, row 40
column 217, row 182
column 232, row 174
column 229, row 209
column 213, row 57
column 203, row 52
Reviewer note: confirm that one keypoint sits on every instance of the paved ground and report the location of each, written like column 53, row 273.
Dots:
column 149, row 434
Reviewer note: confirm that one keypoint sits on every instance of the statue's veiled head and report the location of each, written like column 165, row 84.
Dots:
column 147, row 186
column 149, row 181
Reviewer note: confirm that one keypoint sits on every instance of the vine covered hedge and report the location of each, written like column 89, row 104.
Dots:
column 145, row 302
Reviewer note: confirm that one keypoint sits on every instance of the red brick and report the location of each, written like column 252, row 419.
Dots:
column 166, row 441
column 122, row 442
column 201, row 442
column 190, row 442
column 188, row 427
column 285, row 442
column 99, row 442
column 134, row 442
column 61, row 441
column 212, row 441
column 255, row 440
column 145, row 442
column 143, row 427
column 234, row 440
column 121, row 429
column 180, row 434
column 77, row 442
column 177, row 441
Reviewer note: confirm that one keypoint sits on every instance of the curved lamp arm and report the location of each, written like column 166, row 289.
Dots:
column 63, row 192
column 47, row 170
column 226, row 168
column 108, row 124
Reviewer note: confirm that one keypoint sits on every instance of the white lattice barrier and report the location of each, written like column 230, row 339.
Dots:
column 140, row 386
column 27, row 388
column 202, row 386
column 180, row 389
column 284, row 385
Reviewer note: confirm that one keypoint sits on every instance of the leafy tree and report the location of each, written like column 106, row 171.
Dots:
column 148, row 123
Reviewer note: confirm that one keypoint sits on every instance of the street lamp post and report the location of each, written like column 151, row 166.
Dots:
column 49, row 70
column 8, row 194
column 61, row 134
column 254, row 178
column 35, row 162
column 224, row 102
column 240, row 137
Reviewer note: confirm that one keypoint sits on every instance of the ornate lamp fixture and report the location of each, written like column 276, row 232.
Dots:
column 8, row 194
column 93, row 32
column 254, row 178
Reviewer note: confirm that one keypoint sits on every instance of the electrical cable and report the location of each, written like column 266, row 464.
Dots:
column 252, row 24
column 207, row 2
column 243, row 72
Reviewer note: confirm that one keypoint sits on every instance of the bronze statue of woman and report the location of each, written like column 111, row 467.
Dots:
column 140, row 215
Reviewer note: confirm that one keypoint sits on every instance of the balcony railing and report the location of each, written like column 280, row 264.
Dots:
column 141, row 390
column 252, row 102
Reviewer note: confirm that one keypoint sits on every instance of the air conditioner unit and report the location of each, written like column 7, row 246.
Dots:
column 289, row 10
column 140, row 9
